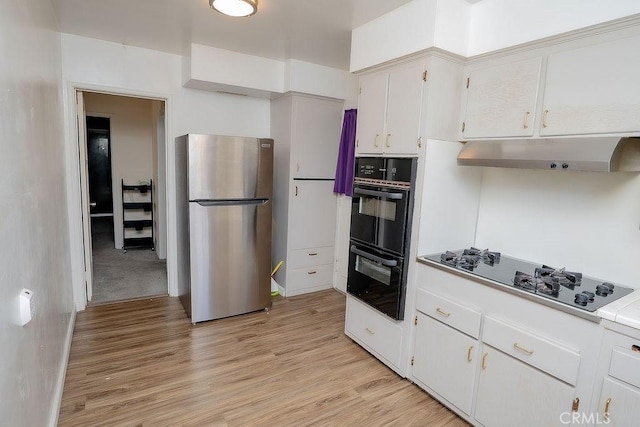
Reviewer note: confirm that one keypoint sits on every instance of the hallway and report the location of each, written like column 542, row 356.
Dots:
column 121, row 276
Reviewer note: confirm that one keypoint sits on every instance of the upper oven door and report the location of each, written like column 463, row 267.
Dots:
column 379, row 216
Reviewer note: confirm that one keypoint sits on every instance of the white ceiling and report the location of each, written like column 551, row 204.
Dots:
column 317, row 31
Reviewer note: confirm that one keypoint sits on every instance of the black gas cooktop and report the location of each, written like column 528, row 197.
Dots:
column 557, row 284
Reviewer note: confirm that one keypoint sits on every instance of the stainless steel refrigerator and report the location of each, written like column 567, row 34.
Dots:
column 224, row 190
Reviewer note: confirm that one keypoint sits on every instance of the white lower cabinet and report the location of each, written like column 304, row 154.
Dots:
column 619, row 404
column 512, row 393
column 445, row 361
column 374, row 331
column 619, row 399
column 500, row 360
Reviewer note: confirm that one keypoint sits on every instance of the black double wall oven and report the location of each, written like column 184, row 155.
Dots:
column 381, row 210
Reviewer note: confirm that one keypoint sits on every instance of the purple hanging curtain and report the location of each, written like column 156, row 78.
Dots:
column 346, row 156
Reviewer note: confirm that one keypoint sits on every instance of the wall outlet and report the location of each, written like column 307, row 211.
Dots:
column 26, row 306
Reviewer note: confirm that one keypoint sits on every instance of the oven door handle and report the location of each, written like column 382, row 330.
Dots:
column 375, row 193
column 367, row 255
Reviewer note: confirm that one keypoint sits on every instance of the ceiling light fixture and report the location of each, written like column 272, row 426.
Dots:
column 236, row 8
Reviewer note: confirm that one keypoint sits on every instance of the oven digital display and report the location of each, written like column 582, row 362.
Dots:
column 377, row 208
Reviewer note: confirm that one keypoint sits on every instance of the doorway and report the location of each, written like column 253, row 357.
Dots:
column 123, row 148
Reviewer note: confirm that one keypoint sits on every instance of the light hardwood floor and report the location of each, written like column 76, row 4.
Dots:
column 142, row 363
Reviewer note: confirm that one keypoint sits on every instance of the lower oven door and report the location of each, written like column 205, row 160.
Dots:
column 379, row 216
column 376, row 277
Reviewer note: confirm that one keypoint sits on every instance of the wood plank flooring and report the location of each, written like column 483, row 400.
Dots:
column 142, row 363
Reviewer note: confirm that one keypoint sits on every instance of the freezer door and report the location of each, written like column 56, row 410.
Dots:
column 227, row 167
column 230, row 249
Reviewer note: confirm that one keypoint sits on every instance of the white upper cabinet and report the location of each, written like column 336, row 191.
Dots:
column 501, row 100
column 389, row 109
column 372, row 104
column 315, row 137
column 587, row 90
column 594, row 89
column 403, row 110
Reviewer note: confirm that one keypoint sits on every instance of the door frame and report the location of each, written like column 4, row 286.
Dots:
column 74, row 194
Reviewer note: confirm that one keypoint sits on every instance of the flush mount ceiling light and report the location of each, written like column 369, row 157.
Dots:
column 235, row 8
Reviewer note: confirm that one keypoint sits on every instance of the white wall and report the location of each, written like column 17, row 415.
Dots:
column 33, row 216
column 584, row 221
column 132, row 151
column 113, row 67
column 496, row 24
column 407, row 29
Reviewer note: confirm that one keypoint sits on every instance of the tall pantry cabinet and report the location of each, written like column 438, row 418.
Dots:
column 306, row 131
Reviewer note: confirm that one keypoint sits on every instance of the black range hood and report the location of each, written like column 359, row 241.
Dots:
column 596, row 154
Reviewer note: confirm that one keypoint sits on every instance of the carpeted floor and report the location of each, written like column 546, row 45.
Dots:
column 120, row 276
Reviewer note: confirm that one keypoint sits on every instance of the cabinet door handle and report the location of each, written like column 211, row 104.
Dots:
column 469, row 353
column 544, row 118
column 296, row 191
column 576, row 405
column 525, row 124
column 635, row 348
column 606, row 409
column 375, row 140
column 311, row 272
column 443, row 313
column 387, row 143
column 313, row 253
column 370, row 331
column 522, row 349
column 484, row 361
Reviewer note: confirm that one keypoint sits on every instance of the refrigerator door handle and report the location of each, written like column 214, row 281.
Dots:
column 231, row 202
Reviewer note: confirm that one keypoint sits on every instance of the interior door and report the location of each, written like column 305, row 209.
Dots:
column 99, row 165
column 84, row 192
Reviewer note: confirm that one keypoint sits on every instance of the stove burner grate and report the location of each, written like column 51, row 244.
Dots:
column 470, row 258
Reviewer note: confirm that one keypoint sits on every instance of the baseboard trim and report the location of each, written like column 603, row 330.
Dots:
column 57, row 398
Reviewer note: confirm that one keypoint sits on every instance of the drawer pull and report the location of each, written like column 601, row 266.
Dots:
column 484, row 361
column 370, row 331
column 312, row 272
column 606, row 409
column 443, row 313
column 522, row 349
column 635, row 348
column 313, row 253
column 469, row 353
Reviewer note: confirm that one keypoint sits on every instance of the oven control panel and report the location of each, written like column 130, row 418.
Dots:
column 385, row 168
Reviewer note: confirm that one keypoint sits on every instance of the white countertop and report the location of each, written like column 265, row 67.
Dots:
column 625, row 311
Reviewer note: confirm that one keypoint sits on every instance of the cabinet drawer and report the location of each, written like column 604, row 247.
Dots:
column 552, row 358
column 309, row 277
column 449, row 312
column 625, row 365
column 374, row 331
column 309, row 257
